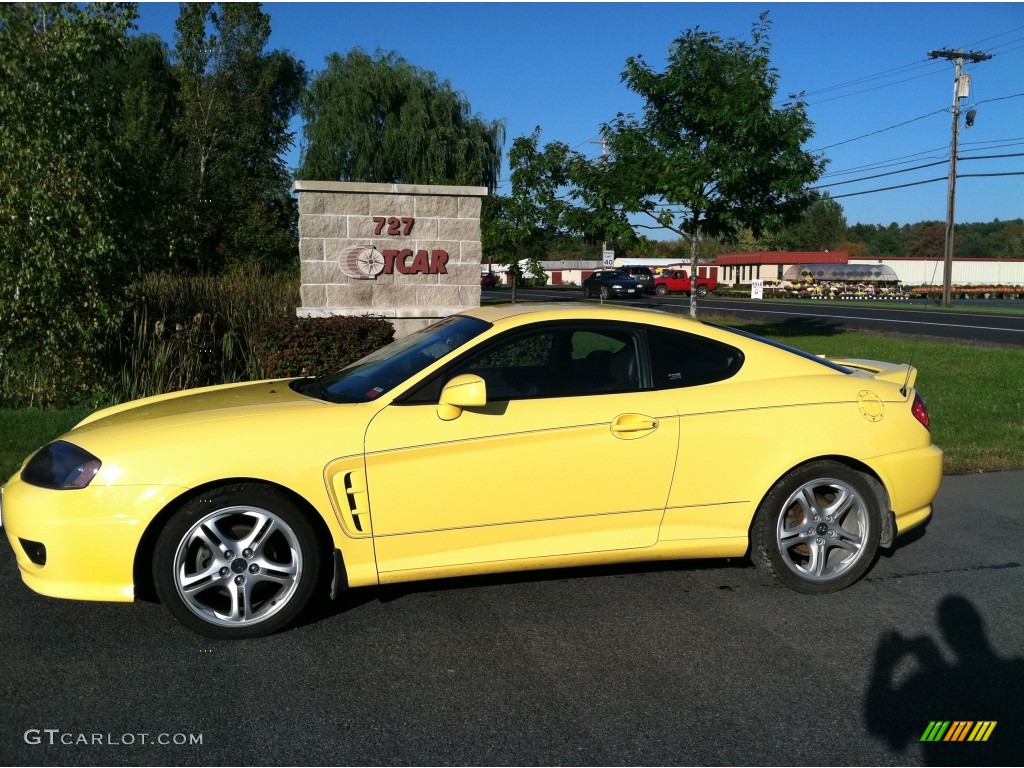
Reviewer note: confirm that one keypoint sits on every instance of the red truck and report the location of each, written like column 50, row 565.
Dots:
column 678, row 281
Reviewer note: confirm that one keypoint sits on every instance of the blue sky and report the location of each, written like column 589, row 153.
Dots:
column 558, row 65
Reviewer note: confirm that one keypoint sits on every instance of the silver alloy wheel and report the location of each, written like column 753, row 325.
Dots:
column 238, row 565
column 822, row 530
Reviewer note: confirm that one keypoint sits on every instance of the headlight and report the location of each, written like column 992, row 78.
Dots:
column 61, row 466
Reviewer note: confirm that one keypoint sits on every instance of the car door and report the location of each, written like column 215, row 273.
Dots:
column 573, row 453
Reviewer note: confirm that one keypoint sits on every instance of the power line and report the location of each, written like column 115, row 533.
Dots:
column 880, row 175
column 993, row 157
column 999, row 98
column 979, row 175
column 881, row 130
column 876, row 88
column 913, row 120
column 994, row 141
column 886, row 189
column 902, row 160
column 904, row 68
column 993, row 37
column 915, row 168
column 868, row 78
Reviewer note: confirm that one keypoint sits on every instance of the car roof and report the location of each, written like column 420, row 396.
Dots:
column 494, row 313
column 767, row 353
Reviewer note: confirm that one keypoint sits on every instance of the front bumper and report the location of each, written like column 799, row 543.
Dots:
column 90, row 536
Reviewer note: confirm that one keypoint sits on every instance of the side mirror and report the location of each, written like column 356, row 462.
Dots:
column 464, row 391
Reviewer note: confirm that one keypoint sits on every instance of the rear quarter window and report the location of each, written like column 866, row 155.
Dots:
column 683, row 360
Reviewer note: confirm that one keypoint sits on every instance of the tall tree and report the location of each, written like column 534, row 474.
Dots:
column 927, row 239
column 381, row 119
column 62, row 273
column 236, row 101
column 540, row 213
column 146, row 88
column 712, row 154
column 822, row 227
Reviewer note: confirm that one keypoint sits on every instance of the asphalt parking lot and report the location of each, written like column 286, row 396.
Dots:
column 672, row 664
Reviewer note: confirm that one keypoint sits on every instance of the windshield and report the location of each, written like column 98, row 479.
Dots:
column 386, row 368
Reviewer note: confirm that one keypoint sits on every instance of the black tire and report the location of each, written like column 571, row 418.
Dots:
column 605, row 293
column 586, row 292
column 702, row 291
column 817, row 529
column 661, row 290
column 221, row 593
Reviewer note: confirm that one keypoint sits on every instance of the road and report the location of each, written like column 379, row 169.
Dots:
column 673, row 664
column 909, row 319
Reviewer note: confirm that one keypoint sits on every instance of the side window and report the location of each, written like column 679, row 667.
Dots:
column 603, row 360
column 514, row 368
column 557, row 360
column 681, row 360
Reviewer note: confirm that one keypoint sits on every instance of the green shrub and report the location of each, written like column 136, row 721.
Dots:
column 193, row 331
column 314, row 345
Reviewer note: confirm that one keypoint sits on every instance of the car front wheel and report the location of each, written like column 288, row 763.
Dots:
column 605, row 293
column 818, row 528
column 238, row 562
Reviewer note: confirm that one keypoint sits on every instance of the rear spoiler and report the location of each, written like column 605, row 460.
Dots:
column 903, row 374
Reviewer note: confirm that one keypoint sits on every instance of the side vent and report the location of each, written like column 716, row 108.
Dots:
column 346, row 481
column 358, row 502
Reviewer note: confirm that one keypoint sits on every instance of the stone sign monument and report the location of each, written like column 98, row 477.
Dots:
column 408, row 253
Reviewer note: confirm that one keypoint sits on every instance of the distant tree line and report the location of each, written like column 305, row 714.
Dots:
column 823, row 228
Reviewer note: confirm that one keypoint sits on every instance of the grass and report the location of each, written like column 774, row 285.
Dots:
column 27, row 429
column 904, row 305
column 975, row 396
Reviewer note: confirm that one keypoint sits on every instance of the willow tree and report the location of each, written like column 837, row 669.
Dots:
column 381, row 119
column 711, row 154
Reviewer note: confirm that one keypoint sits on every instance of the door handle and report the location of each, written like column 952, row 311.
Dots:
column 629, row 423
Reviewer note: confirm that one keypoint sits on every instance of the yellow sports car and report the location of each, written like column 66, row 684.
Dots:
column 234, row 503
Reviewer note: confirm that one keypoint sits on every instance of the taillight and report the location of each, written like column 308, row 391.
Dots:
column 920, row 411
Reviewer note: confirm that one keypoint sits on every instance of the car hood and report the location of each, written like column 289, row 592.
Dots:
column 209, row 403
column 260, row 430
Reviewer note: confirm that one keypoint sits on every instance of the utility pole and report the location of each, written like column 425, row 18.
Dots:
column 961, row 90
column 604, row 243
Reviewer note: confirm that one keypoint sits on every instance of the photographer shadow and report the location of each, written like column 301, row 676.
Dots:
column 914, row 689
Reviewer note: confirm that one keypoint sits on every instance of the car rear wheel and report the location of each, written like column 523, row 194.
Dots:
column 238, row 562
column 702, row 291
column 661, row 290
column 818, row 528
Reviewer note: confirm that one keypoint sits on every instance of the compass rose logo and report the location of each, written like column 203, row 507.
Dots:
column 362, row 262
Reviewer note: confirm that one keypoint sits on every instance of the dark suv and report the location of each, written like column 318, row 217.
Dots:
column 641, row 273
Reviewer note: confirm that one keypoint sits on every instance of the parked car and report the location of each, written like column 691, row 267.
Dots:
column 641, row 273
column 607, row 283
column 236, row 502
column 488, row 280
column 678, row 281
